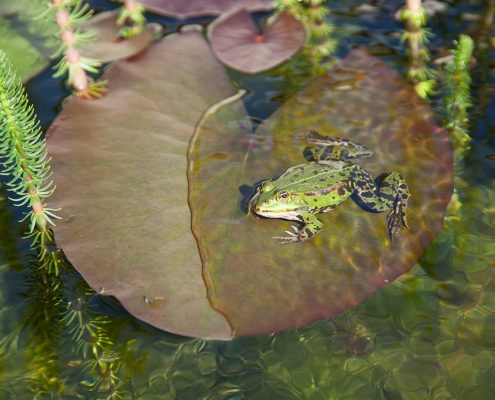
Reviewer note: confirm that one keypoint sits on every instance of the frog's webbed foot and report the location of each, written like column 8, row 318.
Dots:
column 396, row 219
column 292, row 236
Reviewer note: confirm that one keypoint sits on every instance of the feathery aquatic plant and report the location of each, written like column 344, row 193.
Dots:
column 70, row 14
column 313, row 14
column 90, row 335
column 24, row 159
column 131, row 18
column 417, row 36
column 457, row 99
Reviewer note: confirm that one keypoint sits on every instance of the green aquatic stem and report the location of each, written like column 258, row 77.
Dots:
column 314, row 15
column 457, row 99
column 417, row 38
column 23, row 157
column 131, row 19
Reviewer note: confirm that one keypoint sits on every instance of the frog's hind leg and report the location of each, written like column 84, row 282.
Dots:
column 392, row 194
column 324, row 148
column 324, row 153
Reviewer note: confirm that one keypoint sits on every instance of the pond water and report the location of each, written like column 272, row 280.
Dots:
column 428, row 335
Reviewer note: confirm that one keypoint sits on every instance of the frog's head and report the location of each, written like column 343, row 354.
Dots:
column 270, row 201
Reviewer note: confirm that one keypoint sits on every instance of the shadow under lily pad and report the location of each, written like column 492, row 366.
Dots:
column 263, row 286
column 236, row 41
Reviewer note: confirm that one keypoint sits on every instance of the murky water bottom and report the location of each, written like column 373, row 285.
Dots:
column 428, row 335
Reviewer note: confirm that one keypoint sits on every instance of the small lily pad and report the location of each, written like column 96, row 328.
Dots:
column 237, row 42
column 199, row 8
column 264, row 286
column 108, row 46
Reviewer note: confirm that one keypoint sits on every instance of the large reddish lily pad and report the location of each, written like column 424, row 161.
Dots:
column 264, row 286
column 119, row 165
column 199, row 8
column 237, row 42
column 126, row 166
column 108, row 46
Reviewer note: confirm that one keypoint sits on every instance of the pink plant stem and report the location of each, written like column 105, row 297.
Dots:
column 77, row 75
column 414, row 46
column 130, row 4
column 414, row 5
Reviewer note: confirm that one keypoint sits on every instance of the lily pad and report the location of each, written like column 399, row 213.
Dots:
column 237, row 42
column 264, row 286
column 199, row 8
column 120, row 164
column 108, row 46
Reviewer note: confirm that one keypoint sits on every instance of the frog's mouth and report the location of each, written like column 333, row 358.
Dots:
column 252, row 201
column 291, row 215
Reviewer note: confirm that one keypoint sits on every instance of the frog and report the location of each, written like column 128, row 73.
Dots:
column 328, row 178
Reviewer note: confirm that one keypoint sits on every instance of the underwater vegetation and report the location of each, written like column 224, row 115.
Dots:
column 154, row 157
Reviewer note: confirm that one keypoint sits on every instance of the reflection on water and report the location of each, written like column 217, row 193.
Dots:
column 430, row 334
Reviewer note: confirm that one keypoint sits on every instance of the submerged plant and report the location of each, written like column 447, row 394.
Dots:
column 42, row 322
column 70, row 14
column 457, row 99
column 24, row 159
column 90, row 336
column 416, row 35
column 313, row 14
column 131, row 19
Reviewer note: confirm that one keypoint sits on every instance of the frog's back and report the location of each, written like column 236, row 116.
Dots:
column 313, row 176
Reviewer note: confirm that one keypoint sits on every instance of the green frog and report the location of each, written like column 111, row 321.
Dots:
column 325, row 182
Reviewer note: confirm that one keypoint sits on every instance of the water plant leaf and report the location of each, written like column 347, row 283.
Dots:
column 264, row 286
column 199, row 8
column 237, row 42
column 28, row 56
column 120, row 166
column 107, row 45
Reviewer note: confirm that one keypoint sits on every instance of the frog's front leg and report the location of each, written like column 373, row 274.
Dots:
column 310, row 226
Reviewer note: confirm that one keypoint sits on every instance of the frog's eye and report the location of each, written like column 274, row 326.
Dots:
column 283, row 196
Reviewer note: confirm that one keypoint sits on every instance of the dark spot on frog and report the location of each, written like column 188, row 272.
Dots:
column 390, row 197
